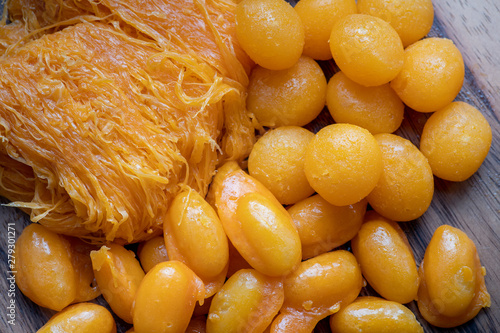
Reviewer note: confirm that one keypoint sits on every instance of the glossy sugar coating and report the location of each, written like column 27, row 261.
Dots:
column 456, row 140
column 152, row 252
column 82, row 318
column 194, row 235
column 247, row 302
column 256, row 223
column 321, row 286
column 277, row 161
column 367, row 49
column 343, row 163
column 270, row 32
column 268, row 229
column 118, row 274
column 318, row 17
column 432, row 75
column 378, row 109
column 386, row 259
column 44, row 270
column 412, row 19
column 370, row 314
column 166, row 298
column 293, row 96
column 323, row 226
column 57, row 273
column 452, row 289
column 406, row 186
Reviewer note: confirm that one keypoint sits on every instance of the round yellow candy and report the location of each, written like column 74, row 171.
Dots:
column 432, row 75
column 406, row 186
column 166, row 298
column 343, row 163
column 81, row 317
column 277, row 161
column 367, row 49
column 44, row 270
column 152, row 252
column 323, row 226
column 256, row 223
column 412, row 19
column 318, row 17
column 247, row 300
column 318, row 288
column 370, row 314
column 456, row 140
column 270, row 32
column 194, row 235
column 386, row 258
column 293, row 96
column 378, row 109
column 118, row 274
column 452, row 289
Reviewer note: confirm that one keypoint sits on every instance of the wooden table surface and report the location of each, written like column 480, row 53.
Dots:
column 472, row 205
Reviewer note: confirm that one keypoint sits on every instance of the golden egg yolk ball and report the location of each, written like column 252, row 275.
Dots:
column 277, row 161
column 343, row 163
column 456, row 140
column 452, row 286
column 293, row 96
column 406, row 187
column 367, row 49
column 270, row 32
column 318, row 17
column 432, row 75
column 412, row 19
column 369, row 314
column 378, row 109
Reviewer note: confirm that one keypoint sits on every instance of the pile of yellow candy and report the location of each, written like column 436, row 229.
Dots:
column 258, row 254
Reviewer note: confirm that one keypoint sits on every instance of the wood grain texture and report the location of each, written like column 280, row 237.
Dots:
column 473, row 26
column 472, row 205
